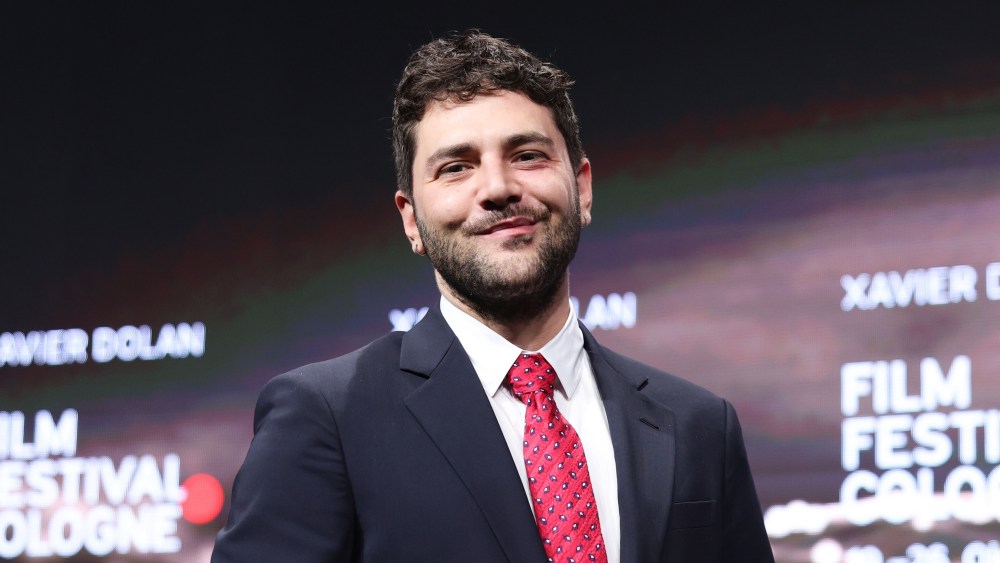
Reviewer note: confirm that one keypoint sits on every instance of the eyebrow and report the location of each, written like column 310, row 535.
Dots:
column 451, row 151
column 527, row 138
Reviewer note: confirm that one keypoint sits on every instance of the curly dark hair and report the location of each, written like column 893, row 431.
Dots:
column 463, row 66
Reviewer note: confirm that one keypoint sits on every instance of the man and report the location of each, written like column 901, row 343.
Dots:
column 432, row 445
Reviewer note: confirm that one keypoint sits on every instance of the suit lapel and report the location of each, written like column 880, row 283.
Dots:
column 642, row 432
column 454, row 411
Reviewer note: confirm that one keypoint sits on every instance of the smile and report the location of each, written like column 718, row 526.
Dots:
column 512, row 226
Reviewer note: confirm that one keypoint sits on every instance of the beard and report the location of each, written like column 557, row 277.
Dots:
column 505, row 290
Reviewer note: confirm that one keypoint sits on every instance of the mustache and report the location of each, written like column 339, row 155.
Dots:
column 488, row 219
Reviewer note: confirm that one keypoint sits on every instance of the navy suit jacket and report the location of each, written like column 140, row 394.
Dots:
column 393, row 454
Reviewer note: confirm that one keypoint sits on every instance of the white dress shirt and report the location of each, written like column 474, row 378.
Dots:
column 576, row 396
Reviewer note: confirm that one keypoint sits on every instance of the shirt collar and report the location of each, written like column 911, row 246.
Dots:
column 492, row 355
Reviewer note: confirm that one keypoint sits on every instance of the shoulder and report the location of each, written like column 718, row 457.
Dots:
column 334, row 381
column 381, row 353
column 656, row 382
column 388, row 359
column 690, row 403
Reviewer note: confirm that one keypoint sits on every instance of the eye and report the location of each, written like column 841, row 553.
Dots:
column 528, row 156
column 452, row 168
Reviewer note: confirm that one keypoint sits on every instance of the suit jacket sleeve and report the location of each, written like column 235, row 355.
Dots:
column 292, row 497
column 744, row 536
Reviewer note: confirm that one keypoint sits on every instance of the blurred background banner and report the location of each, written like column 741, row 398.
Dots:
column 794, row 207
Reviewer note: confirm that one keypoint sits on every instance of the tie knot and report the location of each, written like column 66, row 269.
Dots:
column 531, row 374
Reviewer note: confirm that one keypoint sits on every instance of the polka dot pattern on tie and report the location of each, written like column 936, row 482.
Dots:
column 558, row 478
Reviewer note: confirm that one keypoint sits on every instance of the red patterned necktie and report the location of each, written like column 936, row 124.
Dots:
column 558, row 478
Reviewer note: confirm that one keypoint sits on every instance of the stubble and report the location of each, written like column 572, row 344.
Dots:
column 499, row 289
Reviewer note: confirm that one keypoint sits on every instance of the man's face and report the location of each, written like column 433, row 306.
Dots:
column 496, row 204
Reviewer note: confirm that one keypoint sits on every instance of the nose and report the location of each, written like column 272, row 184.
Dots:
column 500, row 187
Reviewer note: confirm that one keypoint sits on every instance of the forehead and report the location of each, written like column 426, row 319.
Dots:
column 484, row 118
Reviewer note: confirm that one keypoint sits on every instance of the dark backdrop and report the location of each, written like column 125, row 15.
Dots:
column 230, row 165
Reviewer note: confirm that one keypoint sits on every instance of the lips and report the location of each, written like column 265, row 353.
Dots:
column 507, row 224
column 512, row 220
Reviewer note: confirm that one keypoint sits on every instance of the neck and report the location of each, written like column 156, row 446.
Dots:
column 528, row 327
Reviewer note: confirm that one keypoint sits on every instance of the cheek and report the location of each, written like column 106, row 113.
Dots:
column 561, row 202
column 558, row 190
column 447, row 210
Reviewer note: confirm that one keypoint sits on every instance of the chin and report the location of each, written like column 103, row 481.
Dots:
column 517, row 242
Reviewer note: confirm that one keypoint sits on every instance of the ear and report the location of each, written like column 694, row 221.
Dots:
column 585, row 191
column 407, row 213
